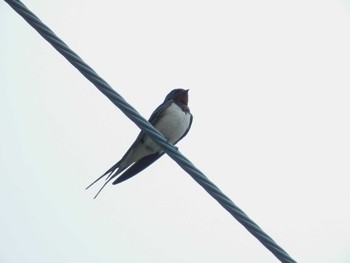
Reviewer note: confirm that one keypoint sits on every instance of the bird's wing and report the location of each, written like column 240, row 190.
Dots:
column 159, row 111
column 156, row 115
column 138, row 167
column 149, row 159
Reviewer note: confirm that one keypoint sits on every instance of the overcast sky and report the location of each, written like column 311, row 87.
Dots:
column 269, row 90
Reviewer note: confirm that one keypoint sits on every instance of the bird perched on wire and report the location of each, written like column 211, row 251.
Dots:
column 172, row 118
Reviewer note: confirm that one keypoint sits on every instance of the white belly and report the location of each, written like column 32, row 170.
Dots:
column 174, row 124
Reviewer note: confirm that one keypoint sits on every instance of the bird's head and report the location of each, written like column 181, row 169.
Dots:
column 180, row 96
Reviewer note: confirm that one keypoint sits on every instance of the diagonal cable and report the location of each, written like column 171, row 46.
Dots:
column 145, row 126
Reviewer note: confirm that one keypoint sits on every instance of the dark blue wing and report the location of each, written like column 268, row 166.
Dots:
column 138, row 167
column 159, row 111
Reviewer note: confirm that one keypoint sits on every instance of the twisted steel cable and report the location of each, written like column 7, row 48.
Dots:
column 145, row 126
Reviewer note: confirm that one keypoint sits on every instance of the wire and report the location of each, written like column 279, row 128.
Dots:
column 145, row 126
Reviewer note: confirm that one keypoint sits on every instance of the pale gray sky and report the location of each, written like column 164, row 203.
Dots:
column 269, row 91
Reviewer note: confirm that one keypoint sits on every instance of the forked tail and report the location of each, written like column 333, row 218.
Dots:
column 109, row 174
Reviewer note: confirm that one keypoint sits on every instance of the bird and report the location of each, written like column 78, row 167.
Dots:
column 172, row 118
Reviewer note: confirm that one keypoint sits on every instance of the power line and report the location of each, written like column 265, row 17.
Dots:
column 146, row 127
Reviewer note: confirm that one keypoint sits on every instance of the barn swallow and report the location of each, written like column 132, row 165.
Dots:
column 172, row 118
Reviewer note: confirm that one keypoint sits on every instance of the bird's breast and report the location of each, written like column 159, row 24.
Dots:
column 173, row 123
